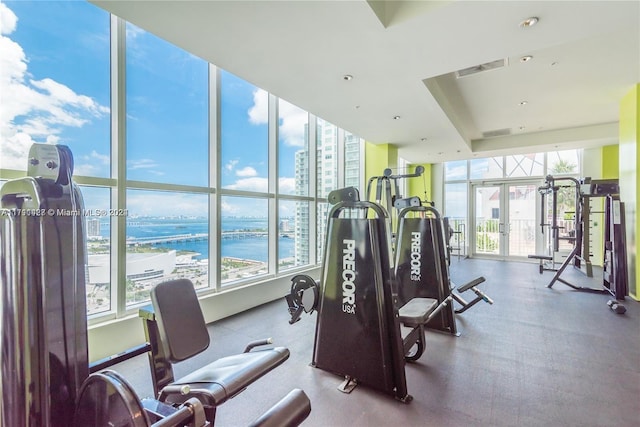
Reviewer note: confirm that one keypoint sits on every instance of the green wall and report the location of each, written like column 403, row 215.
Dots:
column 378, row 157
column 628, row 175
column 610, row 162
column 421, row 186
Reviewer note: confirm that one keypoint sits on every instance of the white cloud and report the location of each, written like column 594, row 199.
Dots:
column 229, row 208
column 251, row 184
column 150, row 203
column 92, row 164
column 44, row 107
column 287, row 185
column 247, row 171
column 292, row 124
column 133, row 32
column 8, row 20
column 243, row 206
column 259, row 112
column 141, row 164
column 103, row 158
column 292, row 119
column 231, row 165
column 60, row 94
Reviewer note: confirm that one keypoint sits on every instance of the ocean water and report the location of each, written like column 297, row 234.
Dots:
column 255, row 248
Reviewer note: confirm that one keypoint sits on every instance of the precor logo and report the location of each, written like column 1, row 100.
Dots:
column 416, row 255
column 348, row 276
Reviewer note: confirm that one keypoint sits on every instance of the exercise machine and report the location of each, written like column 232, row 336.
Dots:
column 373, row 303
column 388, row 190
column 46, row 378
column 547, row 262
column 421, row 270
column 615, row 278
column 577, row 256
column 614, row 265
column 368, row 324
column 358, row 334
column 437, row 284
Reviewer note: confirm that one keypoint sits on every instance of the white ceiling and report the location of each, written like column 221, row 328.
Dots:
column 403, row 55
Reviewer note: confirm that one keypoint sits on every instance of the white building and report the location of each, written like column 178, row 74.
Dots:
column 140, row 266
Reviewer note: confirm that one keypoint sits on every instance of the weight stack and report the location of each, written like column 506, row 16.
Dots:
column 43, row 322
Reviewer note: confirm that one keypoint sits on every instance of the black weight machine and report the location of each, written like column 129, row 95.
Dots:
column 547, row 262
column 358, row 328
column 373, row 308
column 388, row 191
column 46, row 378
column 614, row 266
column 615, row 277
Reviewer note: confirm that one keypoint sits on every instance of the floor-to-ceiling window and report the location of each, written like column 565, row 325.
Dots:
column 294, row 186
column 55, row 89
column 493, row 203
column 190, row 170
column 167, row 145
column 244, row 148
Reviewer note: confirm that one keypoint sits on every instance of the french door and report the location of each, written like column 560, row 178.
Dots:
column 505, row 220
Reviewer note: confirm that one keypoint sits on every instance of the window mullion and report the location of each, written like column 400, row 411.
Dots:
column 215, row 167
column 273, row 176
column 118, row 164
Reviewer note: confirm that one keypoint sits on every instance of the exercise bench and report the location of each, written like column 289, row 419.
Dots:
column 544, row 261
column 176, row 330
column 480, row 296
column 415, row 314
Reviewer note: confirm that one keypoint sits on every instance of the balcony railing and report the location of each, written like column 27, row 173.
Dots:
column 521, row 234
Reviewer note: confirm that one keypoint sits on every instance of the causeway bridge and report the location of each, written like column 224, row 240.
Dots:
column 193, row 237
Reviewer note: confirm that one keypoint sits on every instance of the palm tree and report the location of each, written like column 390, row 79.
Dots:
column 566, row 197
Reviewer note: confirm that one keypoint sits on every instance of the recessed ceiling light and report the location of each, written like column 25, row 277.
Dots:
column 347, row 77
column 554, row 63
column 529, row 22
column 396, row 117
column 522, row 128
column 523, row 103
column 357, row 107
column 423, row 139
column 526, row 58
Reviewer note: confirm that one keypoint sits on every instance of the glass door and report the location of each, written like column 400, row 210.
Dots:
column 488, row 220
column 505, row 218
column 522, row 219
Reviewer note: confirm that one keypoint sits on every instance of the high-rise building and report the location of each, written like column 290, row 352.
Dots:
column 93, row 228
column 352, row 168
column 327, row 180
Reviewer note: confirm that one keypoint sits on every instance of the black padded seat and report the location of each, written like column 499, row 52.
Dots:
column 544, row 257
column 219, row 381
column 417, row 311
column 471, row 284
column 184, row 334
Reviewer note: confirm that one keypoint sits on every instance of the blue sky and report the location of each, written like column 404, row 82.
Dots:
column 55, row 76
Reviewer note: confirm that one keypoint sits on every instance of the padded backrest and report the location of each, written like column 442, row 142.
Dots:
column 180, row 321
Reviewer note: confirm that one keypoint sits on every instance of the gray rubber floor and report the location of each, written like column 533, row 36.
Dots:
column 537, row 357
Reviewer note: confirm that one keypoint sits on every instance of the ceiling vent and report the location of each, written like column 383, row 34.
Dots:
column 487, row 66
column 497, row 132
